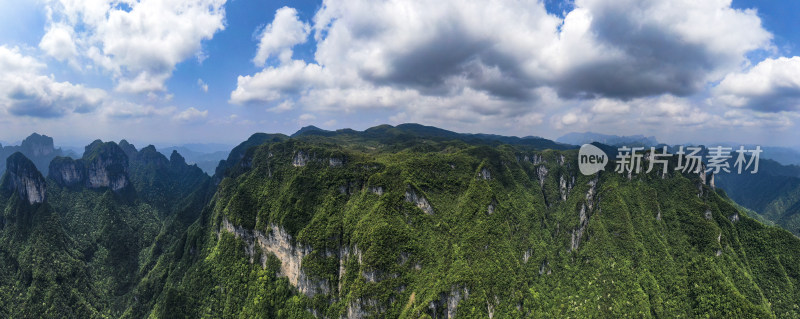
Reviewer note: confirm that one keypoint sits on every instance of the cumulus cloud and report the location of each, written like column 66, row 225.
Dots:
column 58, row 43
column 773, row 85
column 191, row 115
column 626, row 49
column 24, row 91
column 139, row 42
column 274, row 83
column 504, row 61
column 278, row 38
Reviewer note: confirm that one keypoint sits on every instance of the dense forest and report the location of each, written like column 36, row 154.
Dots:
column 391, row 222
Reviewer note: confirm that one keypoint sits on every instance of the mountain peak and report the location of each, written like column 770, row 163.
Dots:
column 308, row 129
column 22, row 177
column 102, row 165
column 38, row 145
column 128, row 148
column 176, row 159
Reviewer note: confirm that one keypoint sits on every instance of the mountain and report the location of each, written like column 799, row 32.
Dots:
column 311, row 130
column 402, row 221
column 410, row 133
column 773, row 193
column 782, row 155
column 79, row 243
column 613, row 140
column 205, row 156
column 361, row 224
column 38, row 148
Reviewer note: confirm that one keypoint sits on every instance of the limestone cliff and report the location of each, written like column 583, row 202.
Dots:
column 102, row 165
column 23, row 178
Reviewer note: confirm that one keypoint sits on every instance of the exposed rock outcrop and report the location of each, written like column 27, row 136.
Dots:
column 565, row 186
column 102, row 165
column 541, row 174
column 455, row 297
column 583, row 216
column 492, row 206
column 107, row 166
column 300, row 159
column 67, row 172
column 376, row 190
column 420, row 201
column 484, row 174
column 335, row 162
column 279, row 243
column 23, row 178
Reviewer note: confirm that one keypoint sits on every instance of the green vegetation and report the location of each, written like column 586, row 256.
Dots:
column 774, row 193
column 394, row 223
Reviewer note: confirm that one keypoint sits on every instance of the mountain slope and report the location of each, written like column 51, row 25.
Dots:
column 454, row 229
column 774, row 192
column 79, row 243
column 384, row 223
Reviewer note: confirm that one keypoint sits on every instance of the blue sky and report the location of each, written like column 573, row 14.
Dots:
column 176, row 71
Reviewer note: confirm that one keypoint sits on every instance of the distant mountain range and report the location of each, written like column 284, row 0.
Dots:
column 783, row 155
column 205, row 156
column 38, row 148
column 613, row 140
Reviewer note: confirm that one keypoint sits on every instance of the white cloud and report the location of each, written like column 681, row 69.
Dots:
column 278, row 38
column 274, row 83
column 202, row 85
column 191, row 115
column 58, row 43
column 306, row 117
column 139, row 42
column 626, row 49
column 506, row 63
column 24, row 91
column 128, row 110
column 282, row 107
column 773, row 85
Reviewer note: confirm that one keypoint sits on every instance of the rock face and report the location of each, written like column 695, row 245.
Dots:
column 583, row 216
column 279, row 243
column 420, row 201
column 300, row 159
column 484, row 174
column 102, row 165
column 107, row 166
column 67, row 172
column 23, row 178
column 38, row 145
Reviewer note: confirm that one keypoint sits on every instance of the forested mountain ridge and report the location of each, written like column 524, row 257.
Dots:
column 773, row 193
column 80, row 250
column 394, row 222
column 361, row 227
